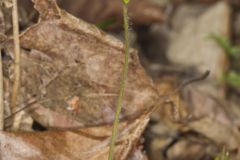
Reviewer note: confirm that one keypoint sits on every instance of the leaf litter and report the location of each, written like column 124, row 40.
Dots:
column 71, row 69
column 70, row 76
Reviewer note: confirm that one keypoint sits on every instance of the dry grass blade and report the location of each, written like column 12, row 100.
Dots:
column 16, row 59
column 1, row 97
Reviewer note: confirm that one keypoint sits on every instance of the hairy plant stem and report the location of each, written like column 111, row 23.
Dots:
column 122, row 83
column 16, row 83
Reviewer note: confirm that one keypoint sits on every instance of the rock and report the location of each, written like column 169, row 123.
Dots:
column 191, row 47
column 184, row 13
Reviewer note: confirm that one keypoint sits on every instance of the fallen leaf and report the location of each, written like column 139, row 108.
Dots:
column 85, row 143
column 141, row 12
column 198, row 148
column 220, row 133
column 64, row 58
column 108, row 13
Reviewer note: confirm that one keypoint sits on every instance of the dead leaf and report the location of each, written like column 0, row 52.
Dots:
column 70, row 59
column 220, row 133
column 205, row 104
column 174, row 109
column 212, row 121
column 85, row 143
column 198, row 148
column 141, row 12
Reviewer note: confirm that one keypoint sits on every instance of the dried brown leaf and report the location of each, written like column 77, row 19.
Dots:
column 197, row 148
column 141, row 12
column 220, row 133
column 74, row 69
column 213, row 116
column 86, row 143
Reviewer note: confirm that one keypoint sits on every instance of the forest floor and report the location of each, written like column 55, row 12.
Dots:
column 72, row 53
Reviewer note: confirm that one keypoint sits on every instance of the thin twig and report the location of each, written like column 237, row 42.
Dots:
column 1, row 96
column 193, row 80
column 21, row 109
column 16, row 83
column 163, row 99
column 122, row 83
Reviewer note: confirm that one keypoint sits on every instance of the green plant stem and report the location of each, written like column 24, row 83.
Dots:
column 122, row 84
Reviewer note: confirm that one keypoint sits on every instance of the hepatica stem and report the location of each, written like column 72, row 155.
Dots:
column 123, row 81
